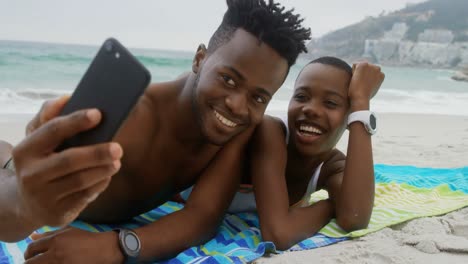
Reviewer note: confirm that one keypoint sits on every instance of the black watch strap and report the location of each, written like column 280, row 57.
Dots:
column 129, row 244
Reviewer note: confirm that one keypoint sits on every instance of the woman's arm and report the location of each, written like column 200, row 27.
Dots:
column 279, row 223
column 352, row 183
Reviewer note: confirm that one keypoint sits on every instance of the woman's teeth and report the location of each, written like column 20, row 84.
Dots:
column 310, row 129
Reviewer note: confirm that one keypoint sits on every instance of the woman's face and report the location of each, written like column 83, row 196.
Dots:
column 318, row 108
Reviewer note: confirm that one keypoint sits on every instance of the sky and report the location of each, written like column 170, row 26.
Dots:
column 160, row 24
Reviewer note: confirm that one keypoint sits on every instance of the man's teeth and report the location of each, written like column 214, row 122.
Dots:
column 310, row 129
column 224, row 120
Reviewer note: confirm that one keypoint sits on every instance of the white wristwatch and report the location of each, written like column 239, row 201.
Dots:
column 367, row 118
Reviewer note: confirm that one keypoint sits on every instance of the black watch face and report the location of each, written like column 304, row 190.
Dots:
column 131, row 242
column 373, row 122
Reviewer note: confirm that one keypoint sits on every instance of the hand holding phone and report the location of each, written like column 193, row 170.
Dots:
column 112, row 84
column 56, row 186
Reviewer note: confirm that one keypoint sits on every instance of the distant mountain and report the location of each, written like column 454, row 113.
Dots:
column 432, row 33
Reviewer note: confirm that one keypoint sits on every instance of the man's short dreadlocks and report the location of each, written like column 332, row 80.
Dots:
column 269, row 22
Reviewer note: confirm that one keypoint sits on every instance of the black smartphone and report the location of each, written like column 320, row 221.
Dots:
column 113, row 83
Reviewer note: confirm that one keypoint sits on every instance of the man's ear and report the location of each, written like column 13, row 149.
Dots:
column 199, row 57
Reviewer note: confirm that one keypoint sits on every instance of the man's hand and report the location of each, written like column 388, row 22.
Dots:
column 49, row 110
column 54, row 187
column 365, row 83
column 73, row 245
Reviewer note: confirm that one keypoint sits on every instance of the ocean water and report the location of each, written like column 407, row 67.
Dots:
column 33, row 72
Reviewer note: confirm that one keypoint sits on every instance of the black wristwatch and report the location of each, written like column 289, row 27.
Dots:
column 130, row 245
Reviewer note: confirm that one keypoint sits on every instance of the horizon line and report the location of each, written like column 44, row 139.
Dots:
column 90, row 45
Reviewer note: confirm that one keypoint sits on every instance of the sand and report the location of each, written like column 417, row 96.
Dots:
column 12, row 127
column 402, row 139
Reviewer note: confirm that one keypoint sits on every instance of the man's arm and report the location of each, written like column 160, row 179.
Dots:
column 51, row 188
column 279, row 223
column 196, row 223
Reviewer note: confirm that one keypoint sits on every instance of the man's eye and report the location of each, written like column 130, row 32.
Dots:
column 260, row 99
column 229, row 81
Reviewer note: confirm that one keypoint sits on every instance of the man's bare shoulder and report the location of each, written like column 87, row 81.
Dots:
column 162, row 93
column 146, row 117
column 158, row 98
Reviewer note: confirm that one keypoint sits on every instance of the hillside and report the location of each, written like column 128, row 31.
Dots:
column 433, row 33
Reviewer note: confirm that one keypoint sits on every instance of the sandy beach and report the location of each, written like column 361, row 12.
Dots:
column 13, row 127
column 402, row 139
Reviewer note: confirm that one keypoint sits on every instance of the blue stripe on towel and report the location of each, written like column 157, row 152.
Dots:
column 457, row 179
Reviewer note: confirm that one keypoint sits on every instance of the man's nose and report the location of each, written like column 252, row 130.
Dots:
column 237, row 104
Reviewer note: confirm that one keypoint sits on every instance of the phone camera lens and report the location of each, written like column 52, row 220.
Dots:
column 109, row 46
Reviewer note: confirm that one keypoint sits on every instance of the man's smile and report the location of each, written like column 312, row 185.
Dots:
column 224, row 120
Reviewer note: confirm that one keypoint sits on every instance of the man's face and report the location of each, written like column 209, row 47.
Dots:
column 234, row 86
column 318, row 109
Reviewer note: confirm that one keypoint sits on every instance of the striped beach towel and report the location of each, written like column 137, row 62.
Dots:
column 402, row 193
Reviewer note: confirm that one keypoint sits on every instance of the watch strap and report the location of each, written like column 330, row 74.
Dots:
column 131, row 255
column 364, row 117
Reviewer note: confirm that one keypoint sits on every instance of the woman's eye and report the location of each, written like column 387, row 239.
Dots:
column 300, row 97
column 331, row 103
column 229, row 81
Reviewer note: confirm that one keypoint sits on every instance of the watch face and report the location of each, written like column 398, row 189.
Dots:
column 131, row 242
column 373, row 122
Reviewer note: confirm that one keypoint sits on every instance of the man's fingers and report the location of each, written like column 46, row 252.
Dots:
column 83, row 180
column 43, row 258
column 81, row 158
column 53, row 133
column 54, row 109
column 86, row 196
column 37, row 247
column 73, row 204
column 37, row 236
column 35, row 122
column 49, row 110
